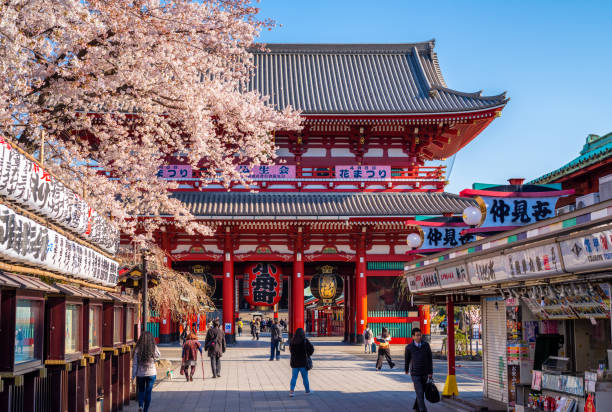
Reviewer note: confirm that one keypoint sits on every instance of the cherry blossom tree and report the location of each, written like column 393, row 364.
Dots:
column 121, row 87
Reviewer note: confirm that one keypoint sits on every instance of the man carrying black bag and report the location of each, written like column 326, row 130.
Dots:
column 419, row 363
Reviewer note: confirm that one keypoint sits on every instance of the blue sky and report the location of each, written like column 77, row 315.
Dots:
column 554, row 58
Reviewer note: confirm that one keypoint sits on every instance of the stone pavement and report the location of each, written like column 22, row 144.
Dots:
column 343, row 379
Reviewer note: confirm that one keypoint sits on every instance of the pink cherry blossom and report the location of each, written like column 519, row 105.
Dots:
column 121, row 88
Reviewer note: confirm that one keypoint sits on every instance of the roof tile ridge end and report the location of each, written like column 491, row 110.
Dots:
column 476, row 95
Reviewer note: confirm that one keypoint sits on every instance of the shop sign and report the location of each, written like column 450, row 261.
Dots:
column 23, row 240
column 356, row 172
column 268, row 172
column 444, row 237
column 514, row 378
column 517, row 211
column 29, row 185
column 424, row 281
column 175, row 172
column 588, row 252
column 488, row 270
column 535, row 261
column 454, row 276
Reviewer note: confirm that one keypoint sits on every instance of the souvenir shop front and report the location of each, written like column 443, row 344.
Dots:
column 66, row 337
column 545, row 296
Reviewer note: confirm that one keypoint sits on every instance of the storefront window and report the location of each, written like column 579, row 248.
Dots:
column 129, row 318
column 118, row 325
column 95, row 314
column 73, row 328
column 27, row 332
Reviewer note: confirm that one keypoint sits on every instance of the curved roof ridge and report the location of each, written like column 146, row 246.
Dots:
column 335, row 48
column 478, row 94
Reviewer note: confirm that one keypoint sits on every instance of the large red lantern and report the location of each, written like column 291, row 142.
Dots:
column 264, row 284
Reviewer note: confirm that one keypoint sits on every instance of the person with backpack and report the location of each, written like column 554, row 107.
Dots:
column 419, row 363
column 276, row 336
column 190, row 356
column 301, row 350
column 144, row 370
column 240, row 326
column 215, row 346
column 384, row 349
column 368, row 338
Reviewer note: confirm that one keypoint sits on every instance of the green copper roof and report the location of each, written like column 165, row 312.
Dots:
column 595, row 149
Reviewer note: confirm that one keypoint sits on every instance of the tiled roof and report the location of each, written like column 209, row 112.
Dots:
column 321, row 205
column 360, row 79
column 12, row 280
column 593, row 152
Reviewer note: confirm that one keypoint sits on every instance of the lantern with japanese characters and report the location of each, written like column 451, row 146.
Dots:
column 326, row 285
column 264, row 284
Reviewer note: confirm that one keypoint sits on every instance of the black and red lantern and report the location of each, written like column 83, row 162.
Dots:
column 264, row 285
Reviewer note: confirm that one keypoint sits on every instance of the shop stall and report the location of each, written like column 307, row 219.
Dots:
column 92, row 347
column 545, row 293
column 25, row 385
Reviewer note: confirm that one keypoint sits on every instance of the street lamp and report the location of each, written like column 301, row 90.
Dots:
column 145, row 296
column 472, row 216
column 414, row 240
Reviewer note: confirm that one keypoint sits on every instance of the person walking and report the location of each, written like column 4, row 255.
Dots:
column 301, row 349
column 185, row 334
column 383, row 349
column 276, row 337
column 257, row 328
column 144, row 370
column 240, row 325
column 253, row 328
column 419, row 363
column 215, row 346
column 368, row 338
column 190, row 356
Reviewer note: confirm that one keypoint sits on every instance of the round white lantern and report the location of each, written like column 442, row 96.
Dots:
column 414, row 240
column 472, row 216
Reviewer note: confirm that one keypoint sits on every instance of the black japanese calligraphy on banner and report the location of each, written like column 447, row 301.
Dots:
column 30, row 186
column 515, row 211
column 24, row 240
column 264, row 284
column 444, row 237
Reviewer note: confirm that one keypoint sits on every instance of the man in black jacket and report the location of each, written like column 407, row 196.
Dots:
column 276, row 336
column 419, row 363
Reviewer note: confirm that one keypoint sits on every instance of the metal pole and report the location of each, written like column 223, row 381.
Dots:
column 145, row 296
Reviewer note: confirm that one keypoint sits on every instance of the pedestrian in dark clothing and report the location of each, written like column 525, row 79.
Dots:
column 383, row 349
column 276, row 337
column 419, row 363
column 215, row 346
column 190, row 356
column 301, row 349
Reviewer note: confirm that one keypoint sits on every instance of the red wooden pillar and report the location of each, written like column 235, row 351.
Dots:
column 228, row 288
column 352, row 326
column 297, row 284
column 361, row 301
column 450, row 386
column 165, row 326
column 347, row 310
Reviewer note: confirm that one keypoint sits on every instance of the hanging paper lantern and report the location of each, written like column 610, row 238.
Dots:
column 326, row 285
column 264, row 287
column 207, row 277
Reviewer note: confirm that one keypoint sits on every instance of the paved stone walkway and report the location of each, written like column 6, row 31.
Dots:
column 343, row 379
